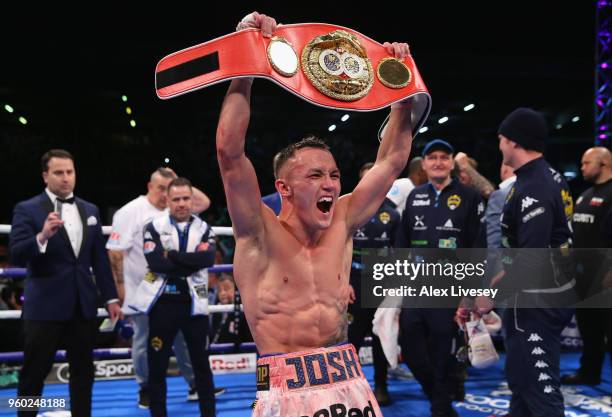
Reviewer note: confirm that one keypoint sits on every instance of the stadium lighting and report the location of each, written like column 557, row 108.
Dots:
column 575, row 119
column 23, row 120
column 133, row 123
column 469, row 107
column 8, row 108
column 124, row 98
column 570, row 175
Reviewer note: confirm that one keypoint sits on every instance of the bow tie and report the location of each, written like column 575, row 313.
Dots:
column 66, row 200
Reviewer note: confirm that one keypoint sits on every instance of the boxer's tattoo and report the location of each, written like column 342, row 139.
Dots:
column 116, row 260
column 341, row 335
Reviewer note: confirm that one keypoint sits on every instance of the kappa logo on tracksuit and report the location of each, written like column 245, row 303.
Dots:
column 538, row 351
column 534, row 337
column 544, row 377
column 527, row 202
column 541, row 364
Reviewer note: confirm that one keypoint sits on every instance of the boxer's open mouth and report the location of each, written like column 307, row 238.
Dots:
column 324, row 204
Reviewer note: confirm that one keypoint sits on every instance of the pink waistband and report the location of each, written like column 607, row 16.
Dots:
column 308, row 369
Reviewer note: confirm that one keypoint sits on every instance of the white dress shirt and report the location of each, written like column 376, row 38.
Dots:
column 72, row 224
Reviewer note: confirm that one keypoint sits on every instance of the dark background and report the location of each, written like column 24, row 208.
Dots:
column 66, row 70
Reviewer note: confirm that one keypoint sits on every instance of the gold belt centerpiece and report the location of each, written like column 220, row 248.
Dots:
column 338, row 66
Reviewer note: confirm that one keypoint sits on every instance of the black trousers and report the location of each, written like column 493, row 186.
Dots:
column 427, row 341
column 42, row 339
column 595, row 325
column 165, row 320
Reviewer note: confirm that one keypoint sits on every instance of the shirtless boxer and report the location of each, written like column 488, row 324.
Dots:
column 293, row 270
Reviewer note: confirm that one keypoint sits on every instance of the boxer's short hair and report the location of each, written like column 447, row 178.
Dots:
column 285, row 154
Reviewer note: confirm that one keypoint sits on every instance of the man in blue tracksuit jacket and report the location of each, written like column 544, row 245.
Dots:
column 536, row 215
column 445, row 214
column 174, row 293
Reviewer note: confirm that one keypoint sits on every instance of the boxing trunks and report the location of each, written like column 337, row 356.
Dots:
column 322, row 382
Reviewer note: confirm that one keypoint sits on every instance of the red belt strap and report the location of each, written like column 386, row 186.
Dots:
column 244, row 54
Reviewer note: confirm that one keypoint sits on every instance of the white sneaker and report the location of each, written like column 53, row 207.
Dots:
column 399, row 373
column 192, row 395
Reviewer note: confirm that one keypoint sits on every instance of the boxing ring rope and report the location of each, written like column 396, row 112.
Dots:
column 5, row 229
column 106, row 230
column 118, row 353
column 21, row 272
column 223, row 308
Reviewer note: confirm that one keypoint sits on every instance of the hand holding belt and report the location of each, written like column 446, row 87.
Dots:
column 327, row 65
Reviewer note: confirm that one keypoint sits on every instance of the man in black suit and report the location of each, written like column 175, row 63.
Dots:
column 59, row 238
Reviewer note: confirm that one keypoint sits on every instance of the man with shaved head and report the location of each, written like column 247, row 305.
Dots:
column 592, row 222
column 127, row 259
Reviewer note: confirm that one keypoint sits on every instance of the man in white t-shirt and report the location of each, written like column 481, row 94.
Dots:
column 125, row 250
column 402, row 187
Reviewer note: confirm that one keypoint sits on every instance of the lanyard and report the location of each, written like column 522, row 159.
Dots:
column 182, row 236
column 437, row 193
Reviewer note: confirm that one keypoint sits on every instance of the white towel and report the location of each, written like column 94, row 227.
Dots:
column 385, row 325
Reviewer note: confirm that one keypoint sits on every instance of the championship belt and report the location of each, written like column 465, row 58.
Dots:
column 327, row 65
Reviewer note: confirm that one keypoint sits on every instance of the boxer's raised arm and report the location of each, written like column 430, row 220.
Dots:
column 391, row 159
column 239, row 178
